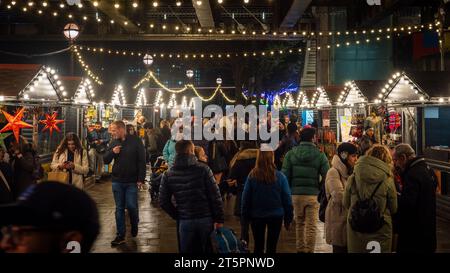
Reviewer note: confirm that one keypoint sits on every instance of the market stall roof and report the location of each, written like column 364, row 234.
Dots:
column 369, row 89
column 79, row 90
column 30, row 82
column 333, row 92
column 141, row 98
column 303, row 100
column 401, row 88
column 289, row 101
column 103, row 93
column 45, row 86
column 351, row 95
column 118, row 96
column 435, row 83
column 71, row 84
column 320, row 98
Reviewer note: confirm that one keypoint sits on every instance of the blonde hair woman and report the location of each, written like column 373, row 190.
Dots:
column 372, row 176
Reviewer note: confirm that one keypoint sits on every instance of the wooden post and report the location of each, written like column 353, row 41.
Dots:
column 35, row 132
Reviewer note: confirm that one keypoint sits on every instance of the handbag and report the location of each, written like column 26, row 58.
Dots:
column 58, row 176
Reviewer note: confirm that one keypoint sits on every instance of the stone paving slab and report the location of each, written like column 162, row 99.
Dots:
column 157, row 231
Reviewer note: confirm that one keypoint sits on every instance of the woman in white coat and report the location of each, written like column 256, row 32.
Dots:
column 70, row 156
column 335, row 214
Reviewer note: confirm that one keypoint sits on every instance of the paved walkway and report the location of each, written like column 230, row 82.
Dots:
column 157, row 231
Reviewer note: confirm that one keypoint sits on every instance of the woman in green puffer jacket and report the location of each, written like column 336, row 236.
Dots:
column 374, row 168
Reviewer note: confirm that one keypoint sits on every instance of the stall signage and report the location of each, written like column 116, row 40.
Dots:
column 432, row 112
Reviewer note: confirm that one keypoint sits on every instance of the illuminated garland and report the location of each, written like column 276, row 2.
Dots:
column 47, row 11
column 86, row 67
column 209, row 56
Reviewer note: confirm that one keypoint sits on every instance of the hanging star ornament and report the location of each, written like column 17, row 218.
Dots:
column 51, row 122
column 15, row 123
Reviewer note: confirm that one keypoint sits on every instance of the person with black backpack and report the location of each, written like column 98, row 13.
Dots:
column 335, row 215
column 371, row 198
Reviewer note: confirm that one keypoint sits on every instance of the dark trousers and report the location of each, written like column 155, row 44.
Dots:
column 125, row 196
column 194, row 235
column 340, row 249
column 273, row 226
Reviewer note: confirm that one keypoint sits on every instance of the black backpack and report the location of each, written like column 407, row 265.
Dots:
column 365, row 214
column 323, row 199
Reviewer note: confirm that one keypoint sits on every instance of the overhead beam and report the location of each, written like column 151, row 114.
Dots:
column 204, row 14
column 108, row 9
column 295, row 12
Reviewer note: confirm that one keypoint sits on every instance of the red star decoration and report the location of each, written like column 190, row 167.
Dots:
column 51, row 122
column 15, row 123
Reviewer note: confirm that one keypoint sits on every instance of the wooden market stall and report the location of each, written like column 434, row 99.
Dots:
column 40, row 91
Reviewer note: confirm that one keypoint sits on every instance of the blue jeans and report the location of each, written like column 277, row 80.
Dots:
column 194, row 235
column 125, row 196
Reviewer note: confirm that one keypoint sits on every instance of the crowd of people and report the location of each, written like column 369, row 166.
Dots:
column 367, row 192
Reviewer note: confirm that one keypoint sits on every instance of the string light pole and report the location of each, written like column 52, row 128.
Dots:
column 441, row 22
column 71, row 32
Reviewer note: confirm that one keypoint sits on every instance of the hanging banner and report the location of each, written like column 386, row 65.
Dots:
column 346, row 126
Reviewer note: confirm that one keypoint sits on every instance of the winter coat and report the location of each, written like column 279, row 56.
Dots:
column 169, row 152
column 217, row 156
column 417, row 209
column 369, row 171
column 336, row 213
column 6, row 194
column 129, row 164
column 194, row 189
column 241, row 165
column 304, row 166
column 261, row 200
column 286, row 144
column 81, row 166
column 23, row 172
column 153, row 142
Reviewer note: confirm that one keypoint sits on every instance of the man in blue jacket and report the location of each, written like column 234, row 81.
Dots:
column 128, row 175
